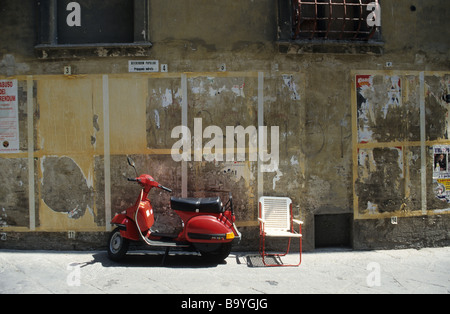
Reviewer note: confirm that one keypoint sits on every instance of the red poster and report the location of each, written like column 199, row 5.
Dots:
column 363, row 80
column 9, row 117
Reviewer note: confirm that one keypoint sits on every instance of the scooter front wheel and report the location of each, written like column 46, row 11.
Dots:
column 214, row 252
column 117, row 245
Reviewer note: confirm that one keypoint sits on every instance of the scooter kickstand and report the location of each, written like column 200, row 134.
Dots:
column 165, row 255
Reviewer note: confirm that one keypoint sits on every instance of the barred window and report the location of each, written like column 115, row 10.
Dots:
column 354, row 20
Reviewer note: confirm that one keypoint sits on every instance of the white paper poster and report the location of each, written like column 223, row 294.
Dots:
column 9, row 117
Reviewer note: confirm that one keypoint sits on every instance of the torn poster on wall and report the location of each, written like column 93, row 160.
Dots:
column 364, row 85
column 379, row 102
column 394, row 94
column 441, row 172
column 9, row 117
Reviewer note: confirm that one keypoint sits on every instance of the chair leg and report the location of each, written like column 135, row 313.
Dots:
column 263, row 253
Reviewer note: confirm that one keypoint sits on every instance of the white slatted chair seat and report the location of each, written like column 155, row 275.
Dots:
column 282, row 234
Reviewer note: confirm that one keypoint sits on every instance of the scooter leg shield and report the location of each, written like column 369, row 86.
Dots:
column 207, row 228
column 126, row 226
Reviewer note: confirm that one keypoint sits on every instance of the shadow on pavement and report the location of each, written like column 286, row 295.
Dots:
column 152, row 259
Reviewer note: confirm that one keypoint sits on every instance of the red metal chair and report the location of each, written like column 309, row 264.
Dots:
column 275, row 220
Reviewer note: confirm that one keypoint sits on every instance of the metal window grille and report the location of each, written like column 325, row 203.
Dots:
column 335, row 20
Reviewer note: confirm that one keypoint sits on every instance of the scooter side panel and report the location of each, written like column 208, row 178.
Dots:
column 145, row 216
column 206, row 228
column 126, row 226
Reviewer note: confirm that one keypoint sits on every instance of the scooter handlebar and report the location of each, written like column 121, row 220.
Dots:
column 159, row 185
column 164, row 188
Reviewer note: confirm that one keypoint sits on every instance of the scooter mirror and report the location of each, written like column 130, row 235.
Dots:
column 131, row 162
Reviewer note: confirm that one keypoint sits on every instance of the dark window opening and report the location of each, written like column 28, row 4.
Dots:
column 99, row 22
column 83, row 25
column 334, row 230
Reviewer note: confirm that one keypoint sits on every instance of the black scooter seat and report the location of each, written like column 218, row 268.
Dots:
column 199, row 205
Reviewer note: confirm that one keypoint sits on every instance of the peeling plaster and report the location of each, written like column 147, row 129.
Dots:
column 238, row 171
column 294, row 161
column 167, row 98
column 157, row 122
column 3, row 218
column 292, row 86
column 65, row 189
column 239, row 90
column 214, row 92
column 277, row 178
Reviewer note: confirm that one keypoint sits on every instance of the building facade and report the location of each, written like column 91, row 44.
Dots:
column 343, row 106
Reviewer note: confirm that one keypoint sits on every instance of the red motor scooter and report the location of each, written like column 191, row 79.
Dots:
column 208, row 225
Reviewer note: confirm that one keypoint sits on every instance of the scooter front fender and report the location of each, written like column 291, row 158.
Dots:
column 126, row 226
column 207, row 229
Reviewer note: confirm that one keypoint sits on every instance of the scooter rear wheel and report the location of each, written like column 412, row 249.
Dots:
column 117, row 245
column 214, row 252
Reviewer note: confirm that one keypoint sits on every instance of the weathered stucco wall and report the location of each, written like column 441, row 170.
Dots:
column 352, row 140
column 399, row 119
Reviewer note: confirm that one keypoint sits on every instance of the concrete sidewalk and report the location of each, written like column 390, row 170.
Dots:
column 323, row 271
